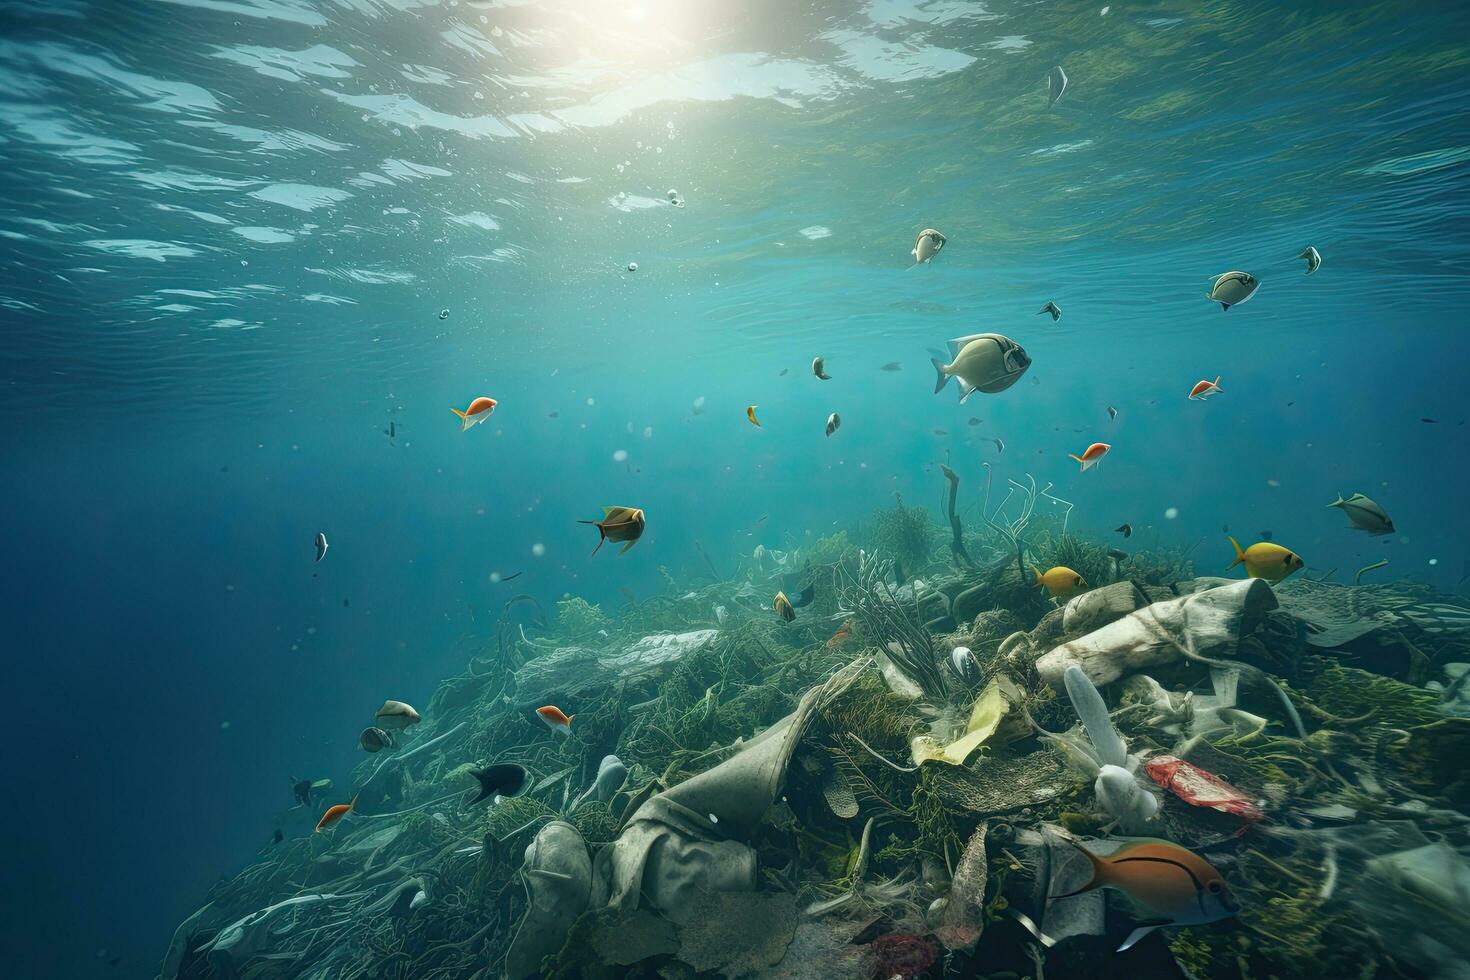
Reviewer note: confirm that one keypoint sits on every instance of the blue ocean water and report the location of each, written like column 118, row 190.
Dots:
column 228, row 229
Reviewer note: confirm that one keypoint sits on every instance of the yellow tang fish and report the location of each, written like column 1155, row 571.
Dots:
column 1266, row 560
column 1061, row 582
column 1173, row 883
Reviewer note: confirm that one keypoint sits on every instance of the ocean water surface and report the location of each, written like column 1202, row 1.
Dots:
column 242, row 241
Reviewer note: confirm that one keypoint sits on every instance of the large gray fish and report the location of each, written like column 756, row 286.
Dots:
column 1233, row 288
column 987, row 362
column 1365, row 514
column 927, row 245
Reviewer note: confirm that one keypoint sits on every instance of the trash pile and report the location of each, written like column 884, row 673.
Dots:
column 931, row 770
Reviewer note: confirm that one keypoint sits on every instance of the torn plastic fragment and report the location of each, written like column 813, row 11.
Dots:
column 1197, row 787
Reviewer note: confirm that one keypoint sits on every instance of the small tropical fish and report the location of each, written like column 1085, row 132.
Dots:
column 927, row 245
column 1266, row 560
column 941, row 432
column 1056, row 85
column 552, row 415
column 1053, row 309
column 974, row 420
column 1061, row 582
column 618, row 524
column 1365, row 514
column 374, row 740
column 1091, row 455
column 505, row 779
column 843, row 634
column 783, row 607
column 1204, row 389
column 1313, row 257
column 555, row 719
column 397, row 715
column 480, row 409
column 784, row 372
column 891, row 366
column 1125, row 529
column 819, row 369
column 1177, row 885
column 1233, row 288
column 334, row 814
column 1112, row 413
column 1430, row 421
column 321, row 545
column 750, row 414
column 834, row 422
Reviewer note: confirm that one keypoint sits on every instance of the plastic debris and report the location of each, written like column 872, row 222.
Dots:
column 1197, row 787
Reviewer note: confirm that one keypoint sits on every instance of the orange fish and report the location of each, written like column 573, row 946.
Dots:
column 480, row 409
column 334, row 814
column 750, row 414
column 1091, row 455
column 1204, row 389
column 555, row 719
column 843, row 634
column 1177, row 885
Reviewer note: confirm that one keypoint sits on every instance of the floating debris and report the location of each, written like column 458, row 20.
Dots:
column 1056, row 85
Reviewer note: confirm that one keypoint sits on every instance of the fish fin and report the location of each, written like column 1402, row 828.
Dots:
column 627, row 546
column 967, row 391
column 1099, row 872
column 1217, row 383
column 1079, row 459
column 1239, row 555
column 571, row 716
column 459, row 413
column 1143, row 930
column 351, row 806
column 1225, row 307
column 943, row 375
column 1037, row 572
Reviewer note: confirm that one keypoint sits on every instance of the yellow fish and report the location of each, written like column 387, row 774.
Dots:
column 1061, row 582
column 784, row 608
column 1266, row 560
column 750, row 414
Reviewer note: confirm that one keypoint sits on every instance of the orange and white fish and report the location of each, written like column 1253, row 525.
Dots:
column 1091, row 455
column 1204, row 389
column 480, row 409
column 334, row 814
column 555, row 719
column 1176, row 885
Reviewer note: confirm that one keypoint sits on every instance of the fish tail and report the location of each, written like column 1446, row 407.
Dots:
column 1217, row 383
column 1079, row 459
column 1099, row 872
column 459, row 413
column 1338, row 502
column 569, row 720
column 1037, row 572
column 941, row 369
column 353, row 804
column 1239, row 555
column 601, row 534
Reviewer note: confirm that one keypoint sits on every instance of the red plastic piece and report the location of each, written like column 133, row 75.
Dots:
column 1197, row 787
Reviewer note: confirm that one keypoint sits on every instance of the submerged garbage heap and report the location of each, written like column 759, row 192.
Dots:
column 885, row 787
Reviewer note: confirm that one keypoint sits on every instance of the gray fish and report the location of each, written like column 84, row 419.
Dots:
column 1365, row 514
column 927, row 245
column 891, row 366
column 834, row 422
column 374, row 740
column 1053, row 309
column 321, row 546
column 986, row 362
column 1112, row 412
column 1313, row 257
column 1056, row 85
column 819, row 369
column 1233, row 288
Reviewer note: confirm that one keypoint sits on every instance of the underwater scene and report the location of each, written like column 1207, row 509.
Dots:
column 682, row 489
